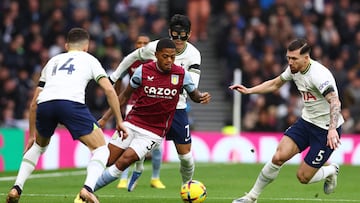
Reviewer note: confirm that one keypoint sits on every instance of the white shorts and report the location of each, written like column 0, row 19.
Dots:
column 140, row 140
column 128, row 108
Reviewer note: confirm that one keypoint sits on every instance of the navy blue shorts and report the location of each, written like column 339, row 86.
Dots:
column 305, row 135
column 75, row 116
column 179, row 131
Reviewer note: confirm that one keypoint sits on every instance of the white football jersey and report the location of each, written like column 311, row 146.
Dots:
column 312, row 84
column 67, row 75
column 190, row 56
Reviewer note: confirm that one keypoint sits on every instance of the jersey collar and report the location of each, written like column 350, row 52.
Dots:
column 307, row 68
column 182, row 51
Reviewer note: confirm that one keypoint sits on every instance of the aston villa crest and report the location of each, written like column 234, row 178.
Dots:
column 174, row 79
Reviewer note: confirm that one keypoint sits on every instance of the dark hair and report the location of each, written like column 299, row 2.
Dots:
column 143, row 34
column 180, row 21
column 165, row 43
column 299, row 44
column 77, row 35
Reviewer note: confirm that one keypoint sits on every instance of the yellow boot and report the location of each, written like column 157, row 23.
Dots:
column 156, row 183
column 122, row 184
column 78, row 199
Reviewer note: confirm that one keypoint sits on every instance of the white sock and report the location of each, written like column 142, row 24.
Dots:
column 96, row 165
column 322, row 173
column 139, row 165
column 114, row 171
column 187, row 166
column 28, row 164
column 268, row 173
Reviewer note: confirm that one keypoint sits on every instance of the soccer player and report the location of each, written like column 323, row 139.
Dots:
column 155, row 181
column 60, row 97
column 188, row 57
column 318, row 128
column 159, row 85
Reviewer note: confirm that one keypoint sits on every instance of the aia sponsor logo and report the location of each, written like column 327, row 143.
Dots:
column 307, row 96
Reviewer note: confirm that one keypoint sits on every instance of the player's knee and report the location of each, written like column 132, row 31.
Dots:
column 303, row 179
column 277, row 160
column 123, row 163
column 183, row 148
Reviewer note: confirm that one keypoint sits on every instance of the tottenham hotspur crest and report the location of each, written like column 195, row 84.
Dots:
column 174, row 79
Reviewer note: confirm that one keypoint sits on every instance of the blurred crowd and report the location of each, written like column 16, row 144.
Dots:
column 249, row 34
column 253, row 36
column 32, row 31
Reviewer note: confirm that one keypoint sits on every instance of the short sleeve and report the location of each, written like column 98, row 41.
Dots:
column 189, row 85
column 135, row 80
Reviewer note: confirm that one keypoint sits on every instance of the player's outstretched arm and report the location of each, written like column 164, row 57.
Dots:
column 124, row 65
column 240, row 88
column 265, row 87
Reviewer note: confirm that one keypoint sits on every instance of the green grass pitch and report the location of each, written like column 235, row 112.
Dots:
column 224, row 182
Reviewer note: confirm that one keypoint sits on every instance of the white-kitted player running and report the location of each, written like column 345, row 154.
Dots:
column 318, row 128
column 60, row 99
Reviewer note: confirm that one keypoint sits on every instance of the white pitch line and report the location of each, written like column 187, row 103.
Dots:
column 47, row 175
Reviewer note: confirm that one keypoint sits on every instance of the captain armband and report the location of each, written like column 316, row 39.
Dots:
column 328, row 90
column 195, row 68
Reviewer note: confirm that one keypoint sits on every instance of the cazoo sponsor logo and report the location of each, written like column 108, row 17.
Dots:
column 159, row 91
